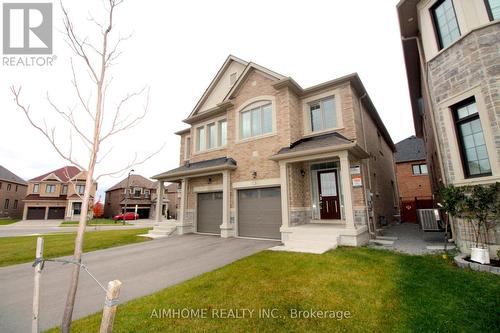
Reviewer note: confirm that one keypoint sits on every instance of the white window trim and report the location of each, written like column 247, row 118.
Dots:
column 205, row 124
column 306, row 103
column 55, row 188
column 452, row 138
column 265, row 99
column 140, row 192
column 38, row 188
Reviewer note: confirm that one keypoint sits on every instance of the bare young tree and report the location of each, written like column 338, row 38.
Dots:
column 97, row 60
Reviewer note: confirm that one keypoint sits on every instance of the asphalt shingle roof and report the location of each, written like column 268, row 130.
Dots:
column 135, row 181
column 199, row 166
column 9, row 176
column 410, row 149
column 325, row 140
column 65, row 174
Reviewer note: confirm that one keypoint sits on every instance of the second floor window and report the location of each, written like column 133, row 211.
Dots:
column 137, row 192
column 80, row 189
column 6, row 204
column 211, row 136
column 50, row 188
column 36, row 188
column 419, row 169
column 64, row 189
column 146, row 193
column 493, row 7
column 9, row 186
column 445, row 23
column 471, row 139
column 257, row 121
column 323, row 114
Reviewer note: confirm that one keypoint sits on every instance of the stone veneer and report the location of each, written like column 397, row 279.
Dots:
column 472, row 61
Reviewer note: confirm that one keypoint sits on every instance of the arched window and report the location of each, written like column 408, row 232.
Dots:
column 256, row 119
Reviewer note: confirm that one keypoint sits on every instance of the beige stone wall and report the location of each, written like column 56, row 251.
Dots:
column 216, row 179
column 468, row 68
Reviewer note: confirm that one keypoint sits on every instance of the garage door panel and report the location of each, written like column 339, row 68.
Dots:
column 35, row 213
column 209, row 212
column 56, row 213
column 259, row 213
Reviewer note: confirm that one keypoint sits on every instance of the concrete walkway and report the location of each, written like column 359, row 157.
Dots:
column 412, row 240
column 143, row 268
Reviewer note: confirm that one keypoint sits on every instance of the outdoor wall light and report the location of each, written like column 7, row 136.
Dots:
column 209, row 180
column 254, row 174
column 302, row 172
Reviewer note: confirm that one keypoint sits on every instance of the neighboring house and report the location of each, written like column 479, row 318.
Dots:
column 413, row 178
column 57, row 195
column 266, row 158
column 139, row 198
column 451, row 50
column 173, row 195
column 12, row 192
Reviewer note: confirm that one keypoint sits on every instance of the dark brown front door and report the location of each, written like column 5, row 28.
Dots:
column 329, row 202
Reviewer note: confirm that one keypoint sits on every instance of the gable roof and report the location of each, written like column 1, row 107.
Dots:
column 215, row 80
column 135, row 181
column 410, row 149
column 64, row 174
column 241, row 79
column 9, row 176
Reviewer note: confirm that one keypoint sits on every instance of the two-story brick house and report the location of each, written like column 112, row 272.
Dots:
column 266, row 158
column 56, row 195
column 452, row 57
column 413, row 178
column 135, row 194
column 12, row 193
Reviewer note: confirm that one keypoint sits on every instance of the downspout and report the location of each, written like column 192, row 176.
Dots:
column 371, row 228
column 423, row 70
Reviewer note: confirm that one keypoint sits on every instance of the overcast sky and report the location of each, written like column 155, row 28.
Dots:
column 176, row 49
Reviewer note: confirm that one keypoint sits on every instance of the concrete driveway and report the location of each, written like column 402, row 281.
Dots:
column 143, row 268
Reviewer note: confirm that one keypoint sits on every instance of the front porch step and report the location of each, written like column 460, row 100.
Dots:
column 387, row 238
column 378, row 241
column 305, row 246
column 161, row 230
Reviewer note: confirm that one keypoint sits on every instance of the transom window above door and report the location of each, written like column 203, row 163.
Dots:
column 256, row 120
column 323, row 114
column 211, row 136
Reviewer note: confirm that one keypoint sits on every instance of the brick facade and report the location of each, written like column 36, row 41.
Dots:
column 410, row 185
column 11, row 199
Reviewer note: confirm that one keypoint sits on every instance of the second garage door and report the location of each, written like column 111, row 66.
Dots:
column 259, row 213
column 56, row 213
column 209, row 212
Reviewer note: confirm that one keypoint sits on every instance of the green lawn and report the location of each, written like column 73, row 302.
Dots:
column 93, row 222
column 383, row 292
column 8, row 221
column 16, row 250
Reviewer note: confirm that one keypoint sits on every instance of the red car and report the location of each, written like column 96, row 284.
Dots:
column 128, row 216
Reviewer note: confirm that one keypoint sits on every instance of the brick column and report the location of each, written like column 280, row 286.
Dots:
column 226, row 193
column 345, row 180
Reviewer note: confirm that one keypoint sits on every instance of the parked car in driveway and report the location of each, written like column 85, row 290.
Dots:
column 128, row 216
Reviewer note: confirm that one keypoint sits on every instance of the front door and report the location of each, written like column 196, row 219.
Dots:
column 329, row 202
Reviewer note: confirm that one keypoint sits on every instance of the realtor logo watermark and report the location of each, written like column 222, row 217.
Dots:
column 27, row 30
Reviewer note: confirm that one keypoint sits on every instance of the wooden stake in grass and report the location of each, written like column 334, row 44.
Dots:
column 109, row 311
column 36, row 288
